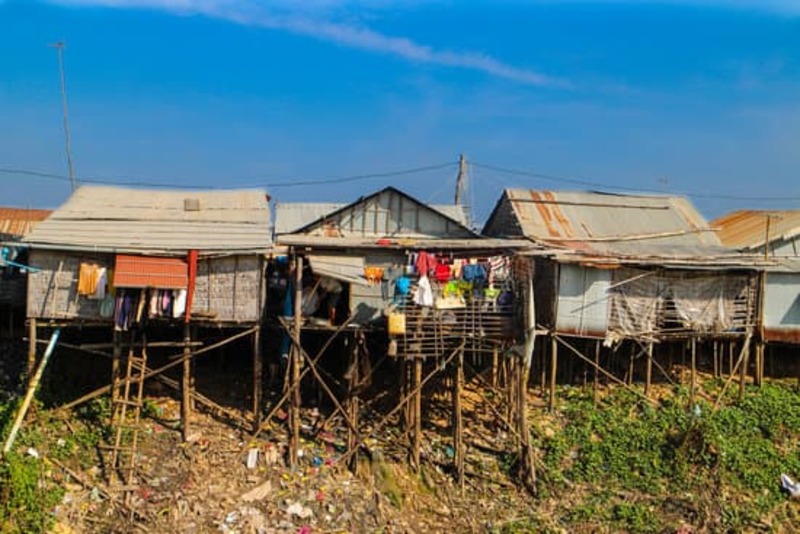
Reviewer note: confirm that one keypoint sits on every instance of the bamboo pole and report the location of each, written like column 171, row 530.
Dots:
column 26, row 402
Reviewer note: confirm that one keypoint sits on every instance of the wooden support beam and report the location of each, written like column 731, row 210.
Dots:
column 186, row 383
column 716, row 358
column 596, row 381
column 258, row 380
column 553, row 369
column 603, row 371
column 181, row 358
column 458, row 423
column 294, row 365
column 693, row 372
column 32, row 333
column 649, row 370
column 743, row 368
column 417, row 403
column 494, row 366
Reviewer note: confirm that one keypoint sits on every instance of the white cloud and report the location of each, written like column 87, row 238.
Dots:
column 317, row 19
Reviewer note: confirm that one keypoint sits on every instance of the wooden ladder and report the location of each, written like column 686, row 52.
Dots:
column 127, row 409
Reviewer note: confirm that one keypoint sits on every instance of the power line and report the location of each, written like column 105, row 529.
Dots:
column 600, row 185
column 288, row 183
column 343, row 179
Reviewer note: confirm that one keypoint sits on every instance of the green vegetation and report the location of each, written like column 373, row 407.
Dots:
column 30, row 488
column 630, row 466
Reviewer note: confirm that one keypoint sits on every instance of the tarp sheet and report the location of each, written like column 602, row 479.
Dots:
column 349, row 269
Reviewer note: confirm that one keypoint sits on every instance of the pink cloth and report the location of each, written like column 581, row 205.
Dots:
column 425, row 263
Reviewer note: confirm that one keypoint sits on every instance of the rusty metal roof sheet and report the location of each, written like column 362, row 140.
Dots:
column 747, row 229
column 149, row 271
column 614, row 224
column 17, row 222
column 118, row 219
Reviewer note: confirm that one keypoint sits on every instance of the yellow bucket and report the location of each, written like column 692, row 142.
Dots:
column 397, row 324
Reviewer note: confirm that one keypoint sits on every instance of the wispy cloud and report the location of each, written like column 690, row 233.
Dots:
column 317, row 19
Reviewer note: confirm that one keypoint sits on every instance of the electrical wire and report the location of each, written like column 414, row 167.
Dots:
column 600, row 185
column 288, row 183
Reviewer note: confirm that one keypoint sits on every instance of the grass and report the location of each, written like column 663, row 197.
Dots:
column 660, row 466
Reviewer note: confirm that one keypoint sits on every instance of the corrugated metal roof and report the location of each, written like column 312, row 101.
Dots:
column 17, row 222
column 614, row 224
column 292, row 216
column 118, row 219
column 747, row 229
column 149, row 271
column 477, row 243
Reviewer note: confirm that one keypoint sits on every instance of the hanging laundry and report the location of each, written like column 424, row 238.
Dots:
column 442, row 273
column 99, row 292
column 425, row 263
column 499, row 268
column 179, row 304
column 424, row 294
column 152, row 308
column 107, row 307
column 88, row 277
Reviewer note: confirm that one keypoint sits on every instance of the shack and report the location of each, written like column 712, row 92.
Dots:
column 138, row 264
column 775, row 235
column 402, row 280
column 15, row 223
column 646, row 272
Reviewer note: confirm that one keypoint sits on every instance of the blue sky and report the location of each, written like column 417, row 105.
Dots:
column 699, row 97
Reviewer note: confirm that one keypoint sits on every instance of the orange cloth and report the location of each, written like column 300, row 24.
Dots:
column 88, row 276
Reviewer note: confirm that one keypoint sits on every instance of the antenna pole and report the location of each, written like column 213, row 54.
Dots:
column 462, row 177
column 59, row 46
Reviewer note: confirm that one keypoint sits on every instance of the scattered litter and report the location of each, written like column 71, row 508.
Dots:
column 32, row 452
column 252, row 458
column 61, row 442
column 791, row 487
column 297, row 509
column 258, row 493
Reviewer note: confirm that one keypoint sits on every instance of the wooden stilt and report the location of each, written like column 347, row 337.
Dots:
column 494, row 367
column 759, row 371
column 32, row 333
column 352, row 399
column 294, row 363
column 685, row 347
column 258, row 382
column 731, row 350
column 458, row 425
column 553, row 369
column 543, row 369
column 596, row 384
column 115, row 360
column 630, row 365
column 743, row 368
column 526, row 468
column 417, row 403
column 649, row 372
column 186, row 383
column 715, row 355
column 192, row 374
column 693, row 372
